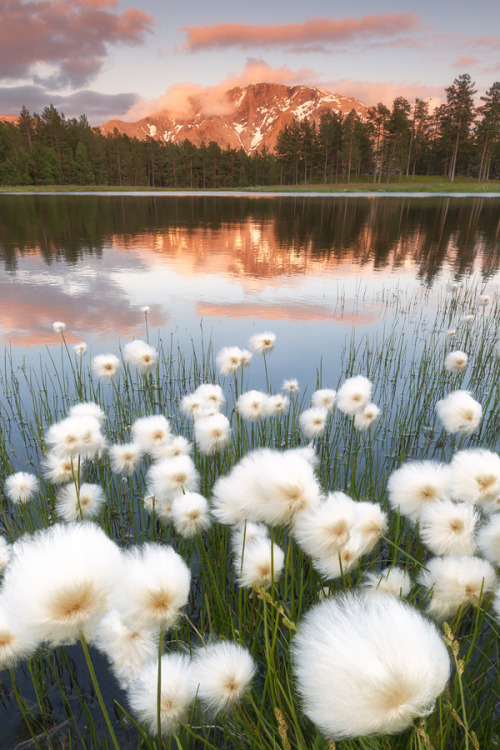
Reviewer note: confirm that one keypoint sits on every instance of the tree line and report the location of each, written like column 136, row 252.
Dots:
column 456, row 139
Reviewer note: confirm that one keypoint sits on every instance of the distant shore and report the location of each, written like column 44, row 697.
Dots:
column 416, row 186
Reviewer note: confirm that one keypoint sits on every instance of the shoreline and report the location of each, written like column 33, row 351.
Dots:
column 133, row 192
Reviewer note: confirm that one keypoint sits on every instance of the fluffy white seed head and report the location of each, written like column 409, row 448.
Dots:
column 161, row 509
column 475, row 476
column 467, row 318
column 260, row 563
column 21, row 487
column 80, row 349
column 88, row 409
column 4, row 552
column 277, row 405
column 72, row 505
column 173, row 476
column 313, row 422
column 451, row 333
column 290, row 386
column 76, row 436
column 456, row 361
column 127, row 648
column 177, row 446
column 333, row 565
column 176, row 694
column 106, row 367
column 415, row 485
column 456, row 581
column 324, row 399
column 190, row 514
column 125, row 458
column 488, row 539
column 155, row 587
column 354, row 394
column 231, row 359
column 393, row 581
column 325, row 528
column 261, row 343
column 146, row 310
column 447, row 528
column 212, row 434
column 211, row 395
column 364, row 419
column 141, row 355
column 459, row 412
column 483, row 300
column 246, row 534
column 252, row 405
column 18, row 641
column 61, row 579
column 453, row 286
column 59, row 469
column 222, row 674
column 193, row 406
column 371, row 524
column 59, row 326
column 367, row 665
column 151, row 432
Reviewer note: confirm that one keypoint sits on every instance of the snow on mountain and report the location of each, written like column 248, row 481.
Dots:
column 254, row 116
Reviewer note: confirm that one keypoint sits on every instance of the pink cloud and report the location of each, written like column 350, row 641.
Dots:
column 463, row 62
column 71, row 37
column 301, row 36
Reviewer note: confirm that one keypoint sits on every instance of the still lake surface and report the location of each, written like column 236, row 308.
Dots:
column 313, row 270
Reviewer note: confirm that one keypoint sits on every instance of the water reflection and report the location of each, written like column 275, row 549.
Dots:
column 92, row 261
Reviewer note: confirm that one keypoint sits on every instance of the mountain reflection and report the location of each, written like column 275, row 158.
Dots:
column 259, row 238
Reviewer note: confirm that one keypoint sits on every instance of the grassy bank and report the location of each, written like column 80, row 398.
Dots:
column 59, row 703
column 406, row 185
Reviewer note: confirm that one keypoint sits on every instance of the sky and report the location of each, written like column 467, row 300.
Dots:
column 129, row 58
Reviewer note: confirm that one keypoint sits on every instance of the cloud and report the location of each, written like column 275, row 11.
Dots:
column 70, row 37
column 464, row 61
column 184, row 100
column 372, row 92
column 97, row 107
column 300, row 36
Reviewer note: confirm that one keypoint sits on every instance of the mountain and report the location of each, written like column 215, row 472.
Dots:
column 252, row 116
column 9, row 118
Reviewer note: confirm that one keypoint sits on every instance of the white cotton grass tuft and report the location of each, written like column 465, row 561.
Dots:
column 454, row 582
column 367, row 665
column 451, row 333
column 291, row 385
column 488, row 539
column 447, row 528
column 155, row 587
column 88, row 409
column 80, row 349
column 177, row 446
column 313, row 422
column 176, row 694
column 276, row 405
column 190, row 514
column 363, row 420
column 371, row 524
column 125, row 458
column 60, row 469
column 106, row 367
column 390, row 581
column 467, row 318
column 173, row 476
column 459, row 412
column 193, row 406
column 251, row 405
column 61, row 580
column 127, row 648
column 325, row 528
column 475, row 476
column 212, row 434
column 76, row 436
column 453, row 286
column 222, row 674
column 245, row 534
column 140, row 355
column 260, row 563
column 354, row 394
column 324, row 399
column 151, row 432
column 266, row 486
column 335, row 565
column 59, row 326
column 231, row 359
column 456, row 361
column 86, row 502
column 482, row 300
column 261, row 343
column 21, row 487
column 414, row 485
column 4, row 552
column 161, row 509
column 211, row 395
column 18, row 641
column 146, row 310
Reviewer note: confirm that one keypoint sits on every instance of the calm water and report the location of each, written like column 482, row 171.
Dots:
column 309, row 269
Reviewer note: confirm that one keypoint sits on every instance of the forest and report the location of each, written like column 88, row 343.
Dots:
column 457, row 139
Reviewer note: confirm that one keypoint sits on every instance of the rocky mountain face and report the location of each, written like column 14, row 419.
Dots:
column 253, row 116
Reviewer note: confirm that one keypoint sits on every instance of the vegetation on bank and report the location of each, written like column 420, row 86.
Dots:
column 246, row 568
column 456, row 140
